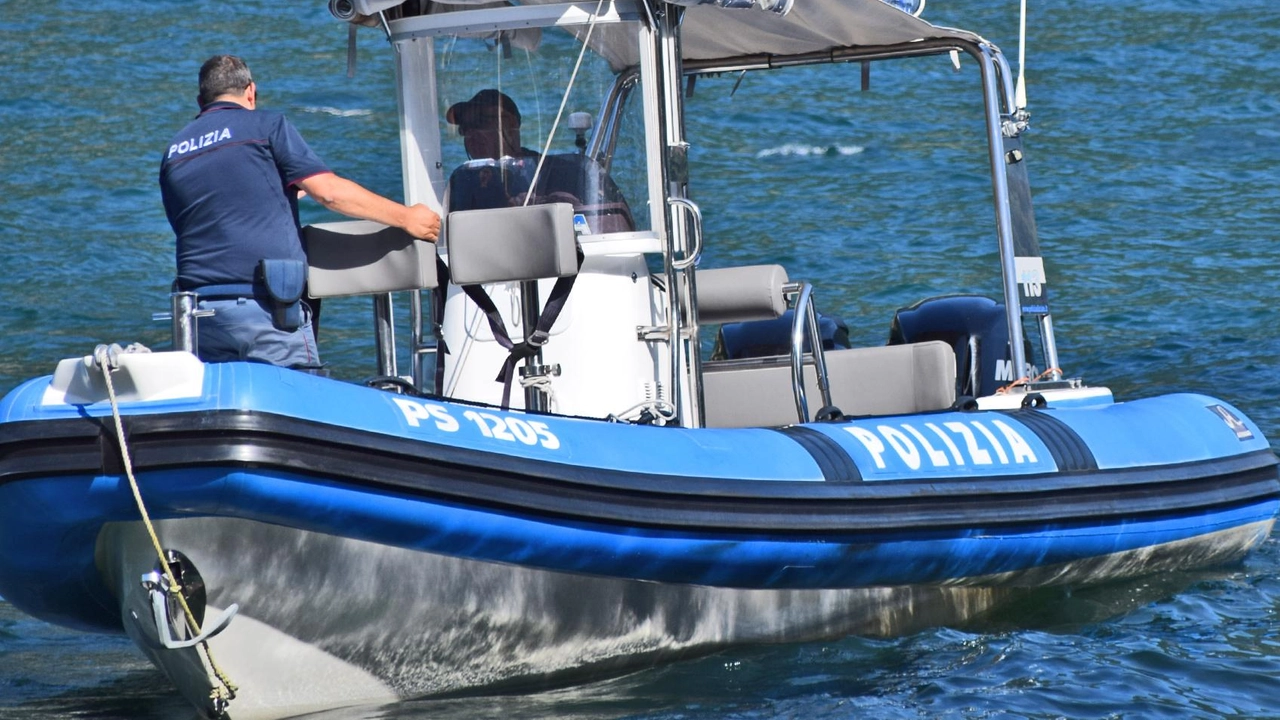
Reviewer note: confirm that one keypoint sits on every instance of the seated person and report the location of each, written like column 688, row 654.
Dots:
column 501, row 170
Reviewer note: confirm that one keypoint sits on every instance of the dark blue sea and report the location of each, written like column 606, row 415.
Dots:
column 1155, row 160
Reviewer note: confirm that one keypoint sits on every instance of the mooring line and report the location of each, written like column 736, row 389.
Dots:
column 223, row 691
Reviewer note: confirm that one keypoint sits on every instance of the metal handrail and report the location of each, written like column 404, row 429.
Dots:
column 419, row 344
column 695, row 250
column 806, row 315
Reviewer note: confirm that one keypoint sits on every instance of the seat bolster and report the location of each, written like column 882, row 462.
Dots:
column 741, row 294
column 361, row 257
column 510, row 244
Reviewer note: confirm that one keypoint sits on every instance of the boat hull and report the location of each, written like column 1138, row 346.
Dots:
column 682, row 530
column 330, row 621
column 380, row 546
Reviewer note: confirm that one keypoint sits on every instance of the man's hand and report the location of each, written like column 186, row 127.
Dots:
column 422, row 222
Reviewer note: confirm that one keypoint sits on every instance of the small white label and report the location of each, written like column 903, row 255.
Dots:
column 1029, row 269
column 1030, row 272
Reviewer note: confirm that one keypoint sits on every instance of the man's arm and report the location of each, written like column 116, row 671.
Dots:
column 349, row 198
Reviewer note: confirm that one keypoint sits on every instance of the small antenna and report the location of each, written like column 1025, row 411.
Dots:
column 1020, row 93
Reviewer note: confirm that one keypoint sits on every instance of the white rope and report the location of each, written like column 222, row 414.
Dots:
column 222, row 690
column 543, row 383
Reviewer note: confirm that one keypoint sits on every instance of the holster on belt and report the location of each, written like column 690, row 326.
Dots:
column 284, row 281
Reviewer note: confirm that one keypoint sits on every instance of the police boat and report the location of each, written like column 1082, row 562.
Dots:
column 280, row 541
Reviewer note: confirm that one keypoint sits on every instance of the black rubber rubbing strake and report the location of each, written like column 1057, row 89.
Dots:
column 1069, row 451
column 434, row 471
column 833, row 461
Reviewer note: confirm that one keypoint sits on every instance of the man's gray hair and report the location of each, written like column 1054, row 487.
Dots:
column 223, row 74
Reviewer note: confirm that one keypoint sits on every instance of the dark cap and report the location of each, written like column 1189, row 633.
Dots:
column 472, row 112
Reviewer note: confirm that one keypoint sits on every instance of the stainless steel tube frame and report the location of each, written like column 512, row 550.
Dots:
column 995, row 117
column 695, row 246
column 422, row 324
column 184, row 314
column 805, row 315
column 385, row 333
column 1019, row 121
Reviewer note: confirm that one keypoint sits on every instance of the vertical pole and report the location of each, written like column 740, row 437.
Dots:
column 385, row 333
column 1004, row 219
column 422, row 324
column 183, row 310
column 535, row 399
column 1050, row 347
column 685, row 358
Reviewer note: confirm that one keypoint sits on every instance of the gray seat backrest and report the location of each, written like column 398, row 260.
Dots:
column 361, row 257
column 741, row 294
column 513, row 243
column 890, row 380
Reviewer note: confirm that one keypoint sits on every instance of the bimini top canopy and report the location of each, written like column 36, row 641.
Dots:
column 710, row 32
column 720, row 30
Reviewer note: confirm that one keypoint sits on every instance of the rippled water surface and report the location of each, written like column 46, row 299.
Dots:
column 1155, row 161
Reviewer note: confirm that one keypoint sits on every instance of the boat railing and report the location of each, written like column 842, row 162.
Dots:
column 424, row 343
column 805, row 316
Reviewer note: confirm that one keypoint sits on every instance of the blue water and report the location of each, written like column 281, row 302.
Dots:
column 1155, row 160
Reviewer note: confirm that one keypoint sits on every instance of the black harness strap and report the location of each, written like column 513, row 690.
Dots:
column 533, row 342
column 438, row 296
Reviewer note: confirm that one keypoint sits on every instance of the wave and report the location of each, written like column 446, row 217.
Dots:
column 339, row 112
column 807, row 150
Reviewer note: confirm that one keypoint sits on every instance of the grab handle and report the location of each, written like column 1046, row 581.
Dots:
column 695, row 252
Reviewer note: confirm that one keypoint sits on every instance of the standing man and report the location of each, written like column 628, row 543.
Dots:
column 230, row 181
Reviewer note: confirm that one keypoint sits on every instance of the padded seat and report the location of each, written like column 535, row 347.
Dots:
column 890, row 380
column 361, row 257
column 511, row 244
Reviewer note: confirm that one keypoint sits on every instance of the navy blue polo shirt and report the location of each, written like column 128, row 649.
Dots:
column 226, row 184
